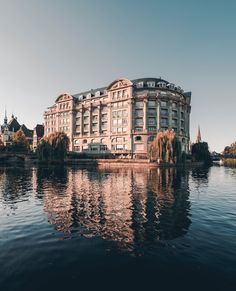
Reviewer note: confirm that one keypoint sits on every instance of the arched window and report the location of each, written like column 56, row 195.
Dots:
column 138, row 138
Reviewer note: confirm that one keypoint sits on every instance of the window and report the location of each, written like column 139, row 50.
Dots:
column 86, row 113
column 152, row 103
column 97, row 94
column 104, row 116
column 152, row 128
column 171, row 86
column 163, row 103
column 164, row 112
column 151, row 121
column 139, row 112
column 103, row 147
column 138, row 121
column 86, row 119
column 85, row 141
column 174, row 113
column 182, row 115
column 139, row 104
column 164, row 122
column 174, row 122
column 95, row 111
column 151, row 84
column 138, row 138
column 125, row 93
column 119, row 146
column 124, row 113
column 114, row 122
column 119, row 113
column 104, row 109
column 139, row 85
column 161, row 84
column 86, row 128
column 174, row 105
column 119, row 122
column 114, row 114
column 152, row 112
column 124, row 121
column 114, row 95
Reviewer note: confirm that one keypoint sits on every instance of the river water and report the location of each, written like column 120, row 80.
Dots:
column 127, row 229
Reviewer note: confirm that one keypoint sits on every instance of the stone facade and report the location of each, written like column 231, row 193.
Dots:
column 122, row 118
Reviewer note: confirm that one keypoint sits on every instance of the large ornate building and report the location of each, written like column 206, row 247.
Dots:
column 122, row 118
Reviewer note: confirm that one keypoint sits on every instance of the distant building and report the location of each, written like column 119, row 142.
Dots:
column 37, row 135
column 122, row 118
column 9, row 128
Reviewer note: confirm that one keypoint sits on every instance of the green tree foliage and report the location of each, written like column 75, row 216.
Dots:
column 53, row 147
column 166, row 148
column 19, row 142
column 200, row 152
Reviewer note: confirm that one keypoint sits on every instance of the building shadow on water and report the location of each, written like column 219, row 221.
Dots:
column 133, row 208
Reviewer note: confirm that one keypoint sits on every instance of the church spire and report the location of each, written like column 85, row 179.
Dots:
column 199, row 138
column 5, row 118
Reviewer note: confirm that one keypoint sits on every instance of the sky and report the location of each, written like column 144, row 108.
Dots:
column 48, row 47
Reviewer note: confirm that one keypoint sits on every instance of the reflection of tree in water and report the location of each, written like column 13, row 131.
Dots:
column 169, row 196
column 130, row 207
column 200, row 176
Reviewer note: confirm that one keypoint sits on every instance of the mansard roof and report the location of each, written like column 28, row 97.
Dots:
column 92, row 92
column 103, row 90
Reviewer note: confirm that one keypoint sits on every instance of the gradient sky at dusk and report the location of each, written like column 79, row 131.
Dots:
column 49, row 47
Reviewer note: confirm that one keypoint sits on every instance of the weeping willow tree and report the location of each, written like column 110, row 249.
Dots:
column 166, row 148
column 53, row 147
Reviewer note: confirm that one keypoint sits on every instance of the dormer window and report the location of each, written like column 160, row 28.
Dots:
column 139, row 85
column 161, row 84
column 97, row 94
column 151, row 84
column 81, row 97
column 89, row 95
column 171, row 86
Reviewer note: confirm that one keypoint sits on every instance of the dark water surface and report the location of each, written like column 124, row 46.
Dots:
column 125, row 229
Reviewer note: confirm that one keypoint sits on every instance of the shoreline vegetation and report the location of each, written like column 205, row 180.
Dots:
column 165, row 151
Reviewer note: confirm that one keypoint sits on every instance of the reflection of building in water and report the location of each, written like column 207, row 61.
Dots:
column 58, row 198
column 127, row 206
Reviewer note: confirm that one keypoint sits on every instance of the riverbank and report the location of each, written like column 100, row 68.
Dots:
column 230, row 162
column 19, row 159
